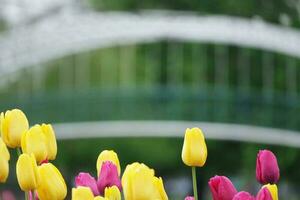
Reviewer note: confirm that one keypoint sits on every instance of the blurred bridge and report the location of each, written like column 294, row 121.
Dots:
column 86, row 66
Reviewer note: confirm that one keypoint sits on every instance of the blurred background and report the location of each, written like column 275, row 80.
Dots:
column 132, row 75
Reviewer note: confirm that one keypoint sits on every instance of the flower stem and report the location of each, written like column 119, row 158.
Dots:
column 19, row 151
column 26, row 195
column 194, row 183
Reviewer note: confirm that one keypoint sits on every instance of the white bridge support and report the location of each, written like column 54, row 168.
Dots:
column 172, row 129
column 71, row 32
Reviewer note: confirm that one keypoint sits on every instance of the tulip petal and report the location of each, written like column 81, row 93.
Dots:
column 86, row 180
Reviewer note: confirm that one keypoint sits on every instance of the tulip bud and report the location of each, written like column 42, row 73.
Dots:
column 108, row 155
column 189, row 198
column 52, row 184
column 34, row 142
column 27, row 172
column 267, row 170
column 108, row 177
column 86, row 180
column 194, row 151
column 139, row 182
column 264, row 194
column 41, row 141
column 12, row 125
column 243, row 196
column 222, row 188
column 273, row 190
column 4, row 158
column 50, row 141
column 112, row 193
column 82, row 193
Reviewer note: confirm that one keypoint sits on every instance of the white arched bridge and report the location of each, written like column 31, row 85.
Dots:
column 71, row 32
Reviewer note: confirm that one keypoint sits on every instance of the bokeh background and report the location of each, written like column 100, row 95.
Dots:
column 122, row 74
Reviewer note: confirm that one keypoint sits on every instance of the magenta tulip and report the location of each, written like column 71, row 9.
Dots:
column 221, row 188
column 108, row 177
column 86, row 180
column 267, row 170
column 243, row 196
column 7, row 195
column 33, row 197
column 264, row 194
column 189, row 198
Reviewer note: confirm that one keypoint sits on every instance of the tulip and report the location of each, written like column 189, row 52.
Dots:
column 86, row 180
column 108, row 177
column 52, row 185
column 33, row 195
column 4, row 158
column 82, row 193
column 100, row 198
column 139, row 182
column 189, row 198
column 7, row 195
column 50, row 141
column 222, row 188
column 194, row 151
column 243, row 196
column 27, row 172
column 41, row 141
column 273, row 190
column 267, row 170
column 12, row 124
column 108, row 155
column 112, row 193
column 264, row 194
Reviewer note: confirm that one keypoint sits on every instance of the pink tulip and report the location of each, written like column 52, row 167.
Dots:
column 264, row 194
column 7, row 195
column 267, row 170
column 243, row 196
column 86, row 180
column 108, row 177
column 189, row 198
column 221, row 188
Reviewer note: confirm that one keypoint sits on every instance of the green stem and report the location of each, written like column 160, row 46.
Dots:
column 195, row 183
column 19, row 151
column 26, row 195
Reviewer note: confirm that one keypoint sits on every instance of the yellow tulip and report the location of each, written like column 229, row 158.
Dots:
column 82, row 193
column 41, row 141
column 160, row 186
column 34, row 142
column 27, row 172
column 3, row 150
column 52, row 185
column 139, row 182
column 273, row 190
column 112, row 193
column 4, row 158
column 12, row 124
column 194, row 151
column 50, row 141
column 100, row 198
column 107, row 155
